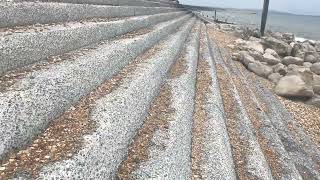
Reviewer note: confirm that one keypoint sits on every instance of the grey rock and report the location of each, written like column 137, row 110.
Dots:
column 317, row 46
column 307, row 64
column 293, row 86
column 280, row 68
column 295, row 69
column 314, row 101
column 310, row 58
column 297, row 51
column 270, row 59
column 288, row 37
column 260, row 69
column 249, row 45
column 275, row 77
column 236, row 56
column 281, row 47
column 246, row 59
column 316, row 83
column 307, row 47
column 292, row 60
column 272, row 52
column 256, row 55
column 316, row 68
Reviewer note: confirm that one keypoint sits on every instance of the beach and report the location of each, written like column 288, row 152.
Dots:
column 303, row 26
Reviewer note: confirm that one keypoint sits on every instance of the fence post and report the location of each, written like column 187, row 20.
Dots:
column 264, row 17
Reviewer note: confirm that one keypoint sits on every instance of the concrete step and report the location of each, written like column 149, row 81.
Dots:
column 212, row 155
column 32, row 102
column 28, row 13
column 120, row 114
column 24, row 46
column 301, row 150
column 281, row 165
column 173, row 161
column 143, row 3
column 248, row 156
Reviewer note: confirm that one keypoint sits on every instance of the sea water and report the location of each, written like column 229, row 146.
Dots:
column 303, row 26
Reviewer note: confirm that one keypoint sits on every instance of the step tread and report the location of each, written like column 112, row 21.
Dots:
column 28, row 13
column 20, row 49
column 58, row 86
column 171, row 118
column 123, row 110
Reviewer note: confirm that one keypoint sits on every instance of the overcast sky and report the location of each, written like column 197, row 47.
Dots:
column 311, row 7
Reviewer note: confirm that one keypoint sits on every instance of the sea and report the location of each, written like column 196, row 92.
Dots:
column 303, row 26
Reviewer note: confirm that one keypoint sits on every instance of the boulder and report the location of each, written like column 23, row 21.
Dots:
column 288, row 37
column 314, row 101
column 316, row 68
column 316, row 83
column 256, row 55
column 249, row 45
column 260, row 69
column 275, row 77
column 281, row 47
column 294, row 69
column 246, row 59
column 272, row 52
column 310, row 58
column 307, row 47
column 280, row 68
column 317, row 46
column 307, row 64
column 251, row 38
column 294, row 86
column 297, row 51
column 236, row 56
column 292, row 60
column 270, row 59
column 255, row 46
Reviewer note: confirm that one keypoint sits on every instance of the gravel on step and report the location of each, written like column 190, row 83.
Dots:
column 31, row 103
column 249, row 160
column 118, row 116
column 282, row 167
column 28, row 13
column 169, row 147
column 20, row 49
column 212, row 156
column 301, row 149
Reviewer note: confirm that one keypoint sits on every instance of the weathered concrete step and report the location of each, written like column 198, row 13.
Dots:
column 212, row 153
column 28, row 13
column 173, row 161
column 281, row 164
column 302, row 151
column 142, row 3
column 119, row 114
column 250, row 161
column 20, row 49
column 30, row 104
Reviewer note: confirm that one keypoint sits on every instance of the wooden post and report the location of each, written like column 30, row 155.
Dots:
column 215, row 15
column 264, row 17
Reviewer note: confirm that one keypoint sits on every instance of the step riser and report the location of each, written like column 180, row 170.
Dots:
column 44, row 95
column 256, row 165
column 109, row 2
column 18, row 50
column 174, row 162
column 301, row 154
column 118, row 116
column 284, row 166
column 20, row 14
column 217, row 160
